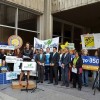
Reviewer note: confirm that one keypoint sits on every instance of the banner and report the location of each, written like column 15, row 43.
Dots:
column 54, row 42
column 11, row 75
column 7, row 47
column 11, row 59
column 89, row 62
column 90, row 41
column 29, row 66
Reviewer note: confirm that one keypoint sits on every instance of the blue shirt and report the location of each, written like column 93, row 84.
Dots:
column 47, row 60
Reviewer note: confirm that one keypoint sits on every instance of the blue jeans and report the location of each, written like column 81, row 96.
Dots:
column 85, row 77
column 65, row 77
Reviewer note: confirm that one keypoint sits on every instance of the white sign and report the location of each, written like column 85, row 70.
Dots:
column 0, row 62
column 71, row 46
column 90, row 41
column 11, row 59
column 54, row 42
column 7, row 47
column 18, row 66
column 28, row 66
column 11, row 75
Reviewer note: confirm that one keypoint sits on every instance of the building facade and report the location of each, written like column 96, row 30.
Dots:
column 45, row 19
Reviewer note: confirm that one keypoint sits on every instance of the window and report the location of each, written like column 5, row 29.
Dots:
column 7, row 15
column 27, row 20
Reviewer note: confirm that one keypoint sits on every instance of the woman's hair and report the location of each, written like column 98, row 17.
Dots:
column 79, row 53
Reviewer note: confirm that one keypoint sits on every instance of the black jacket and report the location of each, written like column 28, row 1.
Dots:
column 79, row 63
column 55, row 59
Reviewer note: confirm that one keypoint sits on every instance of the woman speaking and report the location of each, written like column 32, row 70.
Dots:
column 27, row 55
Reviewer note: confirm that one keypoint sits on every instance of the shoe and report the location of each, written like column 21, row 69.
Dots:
column 73, row 87
column 38, row 81
column 79, row 89
column 41, row 81
column 50, row 82
column 67, row 85
column 86, row 85
column 20, row 83
column 55, row 83
column 62, row 84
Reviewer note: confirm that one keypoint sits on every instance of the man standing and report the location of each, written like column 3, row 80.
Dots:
column 65, row 60
column 54, row 59
column 47, row 63
column 40, row 59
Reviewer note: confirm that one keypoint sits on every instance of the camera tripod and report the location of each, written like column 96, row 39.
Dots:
column 96, row 83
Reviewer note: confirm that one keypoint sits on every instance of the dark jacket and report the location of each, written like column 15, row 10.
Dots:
column 55, row 59
column 79, row 63
column 37, row 59
column 66, row 60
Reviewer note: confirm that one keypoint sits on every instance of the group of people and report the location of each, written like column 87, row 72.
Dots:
column 53, row 66
column 57, row 66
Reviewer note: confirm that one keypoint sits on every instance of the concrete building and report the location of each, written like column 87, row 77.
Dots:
column 45, row 19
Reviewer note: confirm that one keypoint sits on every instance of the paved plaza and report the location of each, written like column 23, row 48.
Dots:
column 48, row 92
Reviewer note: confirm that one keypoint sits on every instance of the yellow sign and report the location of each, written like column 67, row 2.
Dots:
column 89, row 41
column 15, row 41
column 90, row 67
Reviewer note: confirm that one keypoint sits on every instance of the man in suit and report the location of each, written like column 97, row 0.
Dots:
column 54, row 63
column 65, row 60
column 40, row 59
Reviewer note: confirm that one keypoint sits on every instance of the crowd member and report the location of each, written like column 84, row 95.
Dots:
column 10, row 53
column 95, row 72
column 59, row 68
column 40, row 59
column 27, row 56
column 4, row 68
column 18, row 53
column 54, row 63
column 47, row 63
column 65, row 61
column 77, row 70
column 35, row 53
column 2, row 54
column 85, row 72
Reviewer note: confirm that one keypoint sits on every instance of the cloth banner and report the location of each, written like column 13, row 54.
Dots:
column 7, row 47
column 11, row 75
column 54, row 42
column 90, row 41
column 89, row 62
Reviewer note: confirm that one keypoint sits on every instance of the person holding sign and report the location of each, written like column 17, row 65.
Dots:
column 40, row 60
column 27, row 56
column 77, row 70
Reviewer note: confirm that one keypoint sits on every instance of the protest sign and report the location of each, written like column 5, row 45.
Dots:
column 54, row 42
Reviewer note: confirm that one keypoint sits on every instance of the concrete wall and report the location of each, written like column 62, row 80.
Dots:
column 60, row 5
column 37, row 5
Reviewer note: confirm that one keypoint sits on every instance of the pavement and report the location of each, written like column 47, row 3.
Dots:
column 46, row 91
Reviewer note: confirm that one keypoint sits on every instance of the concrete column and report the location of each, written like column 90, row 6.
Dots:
column 72, row 34
column 48, row 20
column 62, row 33
column 40, row 27
column 45, row 22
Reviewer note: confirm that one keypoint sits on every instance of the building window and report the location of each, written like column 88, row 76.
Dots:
column 7, row 15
